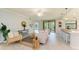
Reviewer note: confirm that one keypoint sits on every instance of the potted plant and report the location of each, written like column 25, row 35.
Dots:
column 4, row 31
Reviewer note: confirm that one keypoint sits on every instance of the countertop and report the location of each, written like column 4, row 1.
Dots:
column 66, row 30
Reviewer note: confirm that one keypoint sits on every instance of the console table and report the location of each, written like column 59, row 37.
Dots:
column 24, row 33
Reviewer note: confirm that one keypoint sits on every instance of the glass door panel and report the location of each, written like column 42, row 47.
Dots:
column 51, row 26
column 46, row 25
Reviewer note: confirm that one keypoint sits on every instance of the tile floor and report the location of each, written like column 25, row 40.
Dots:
column 54, row 43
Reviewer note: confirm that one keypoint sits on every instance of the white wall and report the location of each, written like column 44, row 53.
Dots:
column 12, row 20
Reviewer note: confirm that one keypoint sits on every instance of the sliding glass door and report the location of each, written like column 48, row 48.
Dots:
column 52, row 26
column 49, row 24
column 46, row 25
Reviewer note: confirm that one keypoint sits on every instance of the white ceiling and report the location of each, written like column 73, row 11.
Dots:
column 48, row 13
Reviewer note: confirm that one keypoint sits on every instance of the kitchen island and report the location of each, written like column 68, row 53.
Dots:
column 74, row 39
column 65, row 35
column 71, row 37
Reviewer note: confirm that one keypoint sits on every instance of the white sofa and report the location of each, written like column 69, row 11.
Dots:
column 42, row 36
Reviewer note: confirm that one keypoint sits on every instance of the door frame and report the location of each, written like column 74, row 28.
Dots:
column 48, row 24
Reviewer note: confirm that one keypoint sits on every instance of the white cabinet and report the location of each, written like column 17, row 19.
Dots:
column 65, row 36
column 74, row 40
column 72, row 37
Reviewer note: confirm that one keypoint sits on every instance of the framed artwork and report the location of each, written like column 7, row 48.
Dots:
column 60, row 24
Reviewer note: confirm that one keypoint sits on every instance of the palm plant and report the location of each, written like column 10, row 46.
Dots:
column 4, row 31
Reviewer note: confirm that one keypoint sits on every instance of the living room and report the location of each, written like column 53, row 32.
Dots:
column 54, row 20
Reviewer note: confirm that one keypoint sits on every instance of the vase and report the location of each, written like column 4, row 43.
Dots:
column 1, row 38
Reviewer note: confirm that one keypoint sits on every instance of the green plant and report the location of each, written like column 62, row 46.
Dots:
column 4, row 31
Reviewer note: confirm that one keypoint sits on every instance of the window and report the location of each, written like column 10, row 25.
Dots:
column 72, row 24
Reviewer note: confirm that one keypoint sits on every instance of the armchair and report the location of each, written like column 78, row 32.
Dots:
column 42, row 36
column 13, row 37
